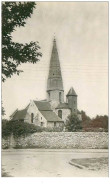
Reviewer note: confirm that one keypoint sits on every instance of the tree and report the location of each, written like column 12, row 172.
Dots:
column 86, row 120
column 3, row 111
column 14, row 14
column 73, row 123
column 18, row 128
column 100, row 122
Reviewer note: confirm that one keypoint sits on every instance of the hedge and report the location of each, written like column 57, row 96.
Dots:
column 18, row 128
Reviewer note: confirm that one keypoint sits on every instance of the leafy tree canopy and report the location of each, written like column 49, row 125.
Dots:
column 94, row 124
column 14, row 14
column 18, row 128
column 86, row 120
column 73, row 123
column 100, row 122
column 3, row 111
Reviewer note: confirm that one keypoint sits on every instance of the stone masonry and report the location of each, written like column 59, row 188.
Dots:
column 57, row 140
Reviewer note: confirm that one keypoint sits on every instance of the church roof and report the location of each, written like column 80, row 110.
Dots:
column 13, row 113
column 62, row 106
column 54, row 78
column 78, row 112
column 71, row 92
column 45, row 109
column 20, row 114
column 51, row 116
column 43, row 105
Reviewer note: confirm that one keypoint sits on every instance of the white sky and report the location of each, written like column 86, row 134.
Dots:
column 81, row 30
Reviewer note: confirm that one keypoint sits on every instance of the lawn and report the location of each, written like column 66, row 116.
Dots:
column 5, row 174
column 90, row 163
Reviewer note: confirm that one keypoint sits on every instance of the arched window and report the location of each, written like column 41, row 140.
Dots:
column 54, row 124
column 32, row 117
column 59, row 96
column 60, row 113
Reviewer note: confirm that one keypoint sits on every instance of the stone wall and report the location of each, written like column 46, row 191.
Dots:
column 65, row 113
column 62, row 140
column 38, row 117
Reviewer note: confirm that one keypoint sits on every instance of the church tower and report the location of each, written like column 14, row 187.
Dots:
column 55, row 91
column 72, row 100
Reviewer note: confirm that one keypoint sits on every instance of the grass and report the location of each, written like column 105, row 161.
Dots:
column 5, row 174
column 90, row 163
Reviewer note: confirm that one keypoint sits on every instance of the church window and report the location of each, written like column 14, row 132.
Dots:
column 59, row 96
column 60, row 113
column 54, row 124
column 32, row 117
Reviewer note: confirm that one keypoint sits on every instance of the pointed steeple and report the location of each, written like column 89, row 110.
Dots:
column 71, row 92
column 55, row 92
column 54, row 77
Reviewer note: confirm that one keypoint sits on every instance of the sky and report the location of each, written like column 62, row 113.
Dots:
column 81, row 31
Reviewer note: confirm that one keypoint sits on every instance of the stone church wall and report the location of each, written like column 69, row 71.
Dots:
column 56, row 124
column 38, row 117
column 65, row 113
column 81, row 140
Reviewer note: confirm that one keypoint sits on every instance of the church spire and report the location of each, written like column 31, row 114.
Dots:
column 54, row 77
column 55, row 90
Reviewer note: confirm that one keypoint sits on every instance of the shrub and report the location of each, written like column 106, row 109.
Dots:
column 5, row 131
column 53, row 129
column 93, row 129
column 18, row 128
column 73, row 123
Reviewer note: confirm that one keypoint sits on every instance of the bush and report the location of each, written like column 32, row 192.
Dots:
column 73, row 123
column 5, row 131
column 53, row 129
column 93, row 129
column 18, row 128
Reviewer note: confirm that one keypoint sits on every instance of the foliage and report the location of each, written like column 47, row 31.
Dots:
column 54, row 129
column 73, row 123
column 14, row 14
column 5, row 130
column 100, row 122
column 3, row 111
column 5, row 174
column 18, row 128
column 86, row 120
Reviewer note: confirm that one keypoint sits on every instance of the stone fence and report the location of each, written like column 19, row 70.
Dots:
column 59, row 140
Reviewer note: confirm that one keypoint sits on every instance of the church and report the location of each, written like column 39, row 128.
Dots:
column 53, row 111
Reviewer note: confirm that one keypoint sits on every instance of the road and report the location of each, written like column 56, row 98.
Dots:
column 50, row 162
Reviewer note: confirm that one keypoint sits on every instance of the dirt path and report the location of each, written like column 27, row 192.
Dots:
column 49, row 163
